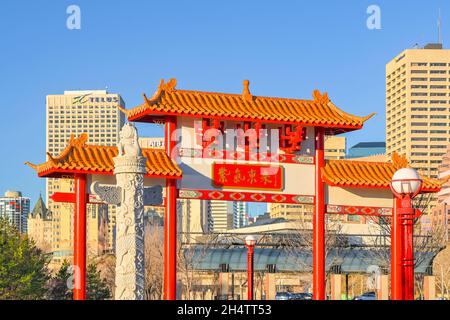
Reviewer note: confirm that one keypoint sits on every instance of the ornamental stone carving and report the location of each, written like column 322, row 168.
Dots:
column 130, row 196
column 129, row 168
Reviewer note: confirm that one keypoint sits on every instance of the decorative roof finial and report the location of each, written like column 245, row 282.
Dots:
column 80, row 141
column 170, row 85
column 246, row 92
column 399, row 161
column 321, row 98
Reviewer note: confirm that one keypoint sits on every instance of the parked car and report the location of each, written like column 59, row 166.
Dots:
column 367, row 296
column 301, row 296
column 283, row 296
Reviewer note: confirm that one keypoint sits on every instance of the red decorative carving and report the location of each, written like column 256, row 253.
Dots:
column 291, row 139
column 208, row 139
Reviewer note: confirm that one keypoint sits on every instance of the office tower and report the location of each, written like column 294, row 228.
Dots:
column 15, row 208
column 367, row 149
column 300, row 212
column 241, row 214
column 93, row 112
column 440, row 214
column 40, row 225
column 193, row 216
column 221, row 214
column 335, row 147
column 417, row 106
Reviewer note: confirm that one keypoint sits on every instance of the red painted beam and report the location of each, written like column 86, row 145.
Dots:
column 63, row 197
column 71, row 197
column 245, row 196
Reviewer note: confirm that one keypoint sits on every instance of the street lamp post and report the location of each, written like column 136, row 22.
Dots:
column 406, row 184
column 250, row 242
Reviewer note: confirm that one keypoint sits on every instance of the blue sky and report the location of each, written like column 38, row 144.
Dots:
column 285, row 48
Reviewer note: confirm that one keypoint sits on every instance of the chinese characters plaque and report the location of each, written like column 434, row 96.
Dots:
column 245, row 176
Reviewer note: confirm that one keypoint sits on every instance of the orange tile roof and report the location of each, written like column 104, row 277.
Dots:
column 80, row 157
column 366, row 174
column 245, row 107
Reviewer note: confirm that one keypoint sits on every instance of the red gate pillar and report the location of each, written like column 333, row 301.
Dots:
column 170, row 221
column 319, row 221
column 79, row 243
column 396, row 253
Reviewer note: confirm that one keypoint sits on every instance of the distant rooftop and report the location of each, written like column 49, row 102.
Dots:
column 41, row 209
column 81, row 92
column 435, row 46
column 380, row 144
column 264, row 222
column 381, row 157
column 13, row 194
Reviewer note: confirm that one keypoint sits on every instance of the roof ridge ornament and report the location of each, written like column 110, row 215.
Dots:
column 321, row 98
column 80, row 141
column 368, row 116
column 169, row 86
column 32, row 165
column 157, row 93
column 163, row 86
column 246, row 91
column 399, row 161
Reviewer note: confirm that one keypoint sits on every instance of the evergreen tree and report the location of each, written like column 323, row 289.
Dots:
column 23, row 267
column 97, row 288
column 61, row 288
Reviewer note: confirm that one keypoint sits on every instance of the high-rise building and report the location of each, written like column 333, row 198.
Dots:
column 241, row 214
column 40, row 225
column 97, row 232
column 221, row 214
column 367, row 149
column 335, row 147
column 300, row 212
column 440, row 214
column 194, row 218
column 15, row 208
column 417, row 106
column 93, row 112
column 153, row 143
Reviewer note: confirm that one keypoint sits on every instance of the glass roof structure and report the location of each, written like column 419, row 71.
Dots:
column 348, row 260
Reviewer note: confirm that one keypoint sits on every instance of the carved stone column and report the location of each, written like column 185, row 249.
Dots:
column 130, row 196
column 129, row 171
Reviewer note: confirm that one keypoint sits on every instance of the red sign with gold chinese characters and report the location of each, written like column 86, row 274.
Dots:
column 247, row 176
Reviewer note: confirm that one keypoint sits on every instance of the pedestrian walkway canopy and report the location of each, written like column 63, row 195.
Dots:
column 347, row 260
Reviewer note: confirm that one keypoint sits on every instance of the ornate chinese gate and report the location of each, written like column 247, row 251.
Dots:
column 238, row 147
